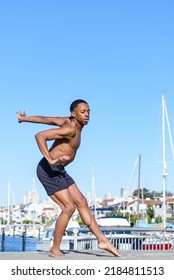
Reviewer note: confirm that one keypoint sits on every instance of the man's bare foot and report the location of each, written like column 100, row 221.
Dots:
column 56, row 254
column 109, row 247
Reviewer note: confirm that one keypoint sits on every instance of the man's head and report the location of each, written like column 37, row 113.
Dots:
column 80, row 111
column 75, row 103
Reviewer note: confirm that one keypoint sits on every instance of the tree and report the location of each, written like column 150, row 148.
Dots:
column 150, row 211
column 144, row 193
column 158, row 219
column 27, row 221
column 3, row 221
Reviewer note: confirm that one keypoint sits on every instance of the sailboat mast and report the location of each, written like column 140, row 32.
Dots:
column 164, row 160
column 94, row 194
column 8, row 213
column 139, row 171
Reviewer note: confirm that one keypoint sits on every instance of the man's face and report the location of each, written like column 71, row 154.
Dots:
column 82, row 113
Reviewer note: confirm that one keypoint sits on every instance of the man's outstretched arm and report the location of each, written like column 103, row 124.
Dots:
column 22, row 117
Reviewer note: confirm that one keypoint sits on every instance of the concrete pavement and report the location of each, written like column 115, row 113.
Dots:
column 91, row 255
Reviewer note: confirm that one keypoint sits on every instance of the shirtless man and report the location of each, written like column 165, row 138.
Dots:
column 56, row 181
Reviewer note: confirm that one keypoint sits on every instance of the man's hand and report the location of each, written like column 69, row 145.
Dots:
column 60, row 161
column 21, row 116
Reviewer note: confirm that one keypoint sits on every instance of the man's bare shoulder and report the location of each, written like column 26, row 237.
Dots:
column 61, row 121
column 69, row 123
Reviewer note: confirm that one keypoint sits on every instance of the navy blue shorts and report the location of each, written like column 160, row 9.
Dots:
column 54, row 178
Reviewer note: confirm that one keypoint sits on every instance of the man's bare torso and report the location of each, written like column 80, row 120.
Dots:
column 67, row 146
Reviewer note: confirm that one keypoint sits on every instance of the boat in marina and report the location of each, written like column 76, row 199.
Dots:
column 82, row 238
column 113, row 221
column 46, row 242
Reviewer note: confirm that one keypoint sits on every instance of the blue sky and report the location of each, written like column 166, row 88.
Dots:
column 118, row 55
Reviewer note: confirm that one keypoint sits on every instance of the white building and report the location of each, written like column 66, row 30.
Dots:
column 32, row 195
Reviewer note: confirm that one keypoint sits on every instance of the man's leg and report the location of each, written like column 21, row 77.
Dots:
column 89, row 220
column 64, row 200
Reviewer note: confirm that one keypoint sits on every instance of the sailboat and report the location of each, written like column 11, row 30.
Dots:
column 163, row 243
column 165, row 124
column 165, row 120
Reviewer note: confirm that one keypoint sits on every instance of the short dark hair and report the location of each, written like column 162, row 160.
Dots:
column 75, row 103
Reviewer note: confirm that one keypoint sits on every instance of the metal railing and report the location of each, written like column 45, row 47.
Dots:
column 121, row 238
column 127, row 239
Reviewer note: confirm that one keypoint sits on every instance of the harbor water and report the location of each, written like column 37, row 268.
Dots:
column 14, row 244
